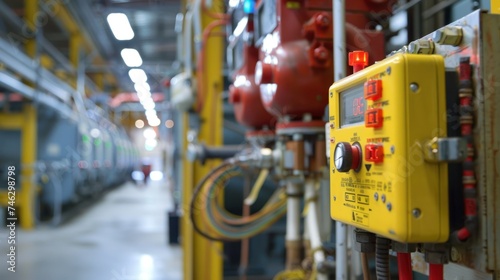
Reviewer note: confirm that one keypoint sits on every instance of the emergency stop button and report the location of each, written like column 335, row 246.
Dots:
column 373, row 89
column 374, row 153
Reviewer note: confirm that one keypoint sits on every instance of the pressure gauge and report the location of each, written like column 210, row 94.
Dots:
column 347, row 156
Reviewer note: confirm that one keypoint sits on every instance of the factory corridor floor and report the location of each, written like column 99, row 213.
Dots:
column 121, row 237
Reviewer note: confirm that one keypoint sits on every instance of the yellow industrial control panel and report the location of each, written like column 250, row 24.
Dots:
column 383, row 121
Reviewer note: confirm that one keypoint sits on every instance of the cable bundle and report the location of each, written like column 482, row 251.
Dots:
column 214, row 222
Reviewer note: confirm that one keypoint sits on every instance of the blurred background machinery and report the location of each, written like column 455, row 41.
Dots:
column 299, row 139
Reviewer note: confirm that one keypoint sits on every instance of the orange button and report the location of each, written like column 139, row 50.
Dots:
column 374, row 153
column 373, row 89
column 373, row 118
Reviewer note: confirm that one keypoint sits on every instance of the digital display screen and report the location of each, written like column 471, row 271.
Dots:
column 352, row 106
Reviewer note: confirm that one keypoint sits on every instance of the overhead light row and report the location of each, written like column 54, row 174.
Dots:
column 122, row 30
column 146, row 100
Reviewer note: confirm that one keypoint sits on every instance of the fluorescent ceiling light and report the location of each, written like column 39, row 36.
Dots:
column 142, row 88
column 137, row 76
column 150, row 113
column 146, row 100
column 143, row 95
column 155, row 122
column 131, row 57
column 149, row 106
column 120, row 26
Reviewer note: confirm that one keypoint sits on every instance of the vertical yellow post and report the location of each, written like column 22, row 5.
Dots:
column 31, row 10
column 28, row 159
column 187, row 192
column 495, row 6
column 208, row 261
column 203, row 259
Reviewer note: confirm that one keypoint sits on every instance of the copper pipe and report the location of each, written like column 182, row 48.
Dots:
column 245, row 243
column 207, row 32
column 214, row 15
column 297, row 147
column 365, row 266
column 293, row 254
column 320, row 155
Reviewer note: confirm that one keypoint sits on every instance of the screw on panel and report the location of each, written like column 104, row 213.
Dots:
column 332, row 140
column 416, row 212
column 393, row 149
column 389, row 206
column 383, row 198
column 414, row 87
column 375, row 196
column 332, row 125
column 334, row 198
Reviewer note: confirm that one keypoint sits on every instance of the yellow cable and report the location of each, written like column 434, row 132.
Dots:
column 250, row 200
column 297, row 274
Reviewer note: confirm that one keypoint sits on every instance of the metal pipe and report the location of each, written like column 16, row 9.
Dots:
column 339, row 53
column 221, row 152
column 339, row 49
column 313, row 225
column 292, row 237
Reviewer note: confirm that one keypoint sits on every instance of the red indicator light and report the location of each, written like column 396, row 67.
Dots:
column 358, row 60
column 374, row 153
column 374, row 118
column 373, row 89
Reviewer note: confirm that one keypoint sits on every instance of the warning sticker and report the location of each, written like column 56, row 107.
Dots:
column 360, row 218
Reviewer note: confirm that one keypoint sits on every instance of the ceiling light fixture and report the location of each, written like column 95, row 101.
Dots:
column 120, row 26
column 142, row 88
column 131, row 57
column 137, row 76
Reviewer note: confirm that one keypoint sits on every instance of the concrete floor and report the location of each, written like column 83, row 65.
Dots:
column 121, row 237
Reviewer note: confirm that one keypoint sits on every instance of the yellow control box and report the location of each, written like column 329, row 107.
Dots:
column 382, row 120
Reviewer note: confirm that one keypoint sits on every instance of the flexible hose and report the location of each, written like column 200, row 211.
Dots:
column 404, row 266
column 382, row 258
column 222, row 225
column 196, row 192
column 435, row 271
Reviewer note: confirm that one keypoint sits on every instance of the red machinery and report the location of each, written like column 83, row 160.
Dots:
column 295, row 68
column 244, row 94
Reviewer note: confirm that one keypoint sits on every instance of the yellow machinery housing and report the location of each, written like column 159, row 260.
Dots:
column 385, row 122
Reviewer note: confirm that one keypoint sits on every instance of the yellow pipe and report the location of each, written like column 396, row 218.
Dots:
column 60, row 12
column 75, row 42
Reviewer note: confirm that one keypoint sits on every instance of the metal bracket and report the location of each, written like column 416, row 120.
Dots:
column 446, row 149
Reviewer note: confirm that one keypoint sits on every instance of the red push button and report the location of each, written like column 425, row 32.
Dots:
column 373, row 89
column 373, row 118
column 374, row 153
